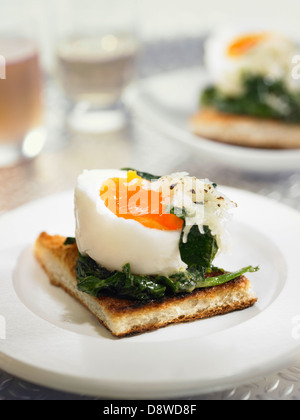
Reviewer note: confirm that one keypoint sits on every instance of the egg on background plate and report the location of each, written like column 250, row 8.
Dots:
column 230, row 53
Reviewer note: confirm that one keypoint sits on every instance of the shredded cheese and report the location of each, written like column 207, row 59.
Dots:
column 200, row 201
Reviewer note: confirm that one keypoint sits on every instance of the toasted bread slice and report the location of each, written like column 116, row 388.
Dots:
column 245, row 130
column 126, row 317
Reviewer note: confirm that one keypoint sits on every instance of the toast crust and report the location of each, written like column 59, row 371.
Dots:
column 116, row 310
column 243, row 130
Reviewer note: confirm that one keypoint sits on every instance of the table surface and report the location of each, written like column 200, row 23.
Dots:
column 67, row 153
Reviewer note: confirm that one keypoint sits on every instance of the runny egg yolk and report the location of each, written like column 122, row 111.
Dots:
column 245, row 43
column 132, row 198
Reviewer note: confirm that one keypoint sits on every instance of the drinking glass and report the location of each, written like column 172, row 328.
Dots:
column 22, row 134
column 95, row 60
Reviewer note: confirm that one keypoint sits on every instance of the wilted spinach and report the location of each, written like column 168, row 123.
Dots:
column 262, row 98
column 198, row 253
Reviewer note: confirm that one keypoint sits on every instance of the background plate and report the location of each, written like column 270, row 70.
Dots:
column 51, row 340
column 166, row 103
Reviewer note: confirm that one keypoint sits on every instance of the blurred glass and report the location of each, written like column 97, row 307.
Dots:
column 96, row 54
column 22, row 134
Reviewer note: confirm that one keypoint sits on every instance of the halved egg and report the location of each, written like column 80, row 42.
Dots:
column 120, row 220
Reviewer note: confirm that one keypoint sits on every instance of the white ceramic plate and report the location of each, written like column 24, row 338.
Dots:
column 48, row 338
column 167, row 101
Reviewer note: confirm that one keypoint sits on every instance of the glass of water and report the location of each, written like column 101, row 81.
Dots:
column 95, row 60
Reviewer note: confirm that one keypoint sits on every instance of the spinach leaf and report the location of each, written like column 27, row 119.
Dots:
column 260, row 95
column 200, row 249
column 70, row 241
column 198, row 252
column 184, row 282
column 196, row 278
column 225, row 277
column 141, row 287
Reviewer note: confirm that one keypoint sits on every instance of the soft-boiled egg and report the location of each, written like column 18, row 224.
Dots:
column 229, row 54
column 122, row 218
column 113, row 241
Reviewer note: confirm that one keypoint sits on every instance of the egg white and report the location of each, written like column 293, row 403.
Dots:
column 113, row 241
